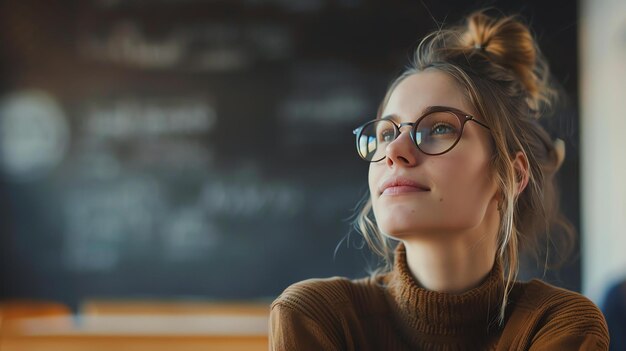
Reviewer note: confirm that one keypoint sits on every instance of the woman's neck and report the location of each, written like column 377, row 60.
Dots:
column 454, row 265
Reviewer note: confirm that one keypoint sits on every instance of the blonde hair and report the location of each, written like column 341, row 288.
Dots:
column 498, row 64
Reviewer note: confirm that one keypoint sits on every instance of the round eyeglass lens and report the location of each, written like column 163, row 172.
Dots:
column 374, row 138
column 437, row 132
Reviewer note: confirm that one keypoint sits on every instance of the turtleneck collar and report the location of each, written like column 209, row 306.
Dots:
column 427, row 315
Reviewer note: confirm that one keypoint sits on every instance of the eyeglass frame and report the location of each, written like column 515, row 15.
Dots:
column 462, row 116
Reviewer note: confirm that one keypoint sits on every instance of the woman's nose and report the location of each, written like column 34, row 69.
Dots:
column 402, row 151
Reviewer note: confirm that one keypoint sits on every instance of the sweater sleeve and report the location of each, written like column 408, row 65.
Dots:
column 573, row 323
column 306, row 317
column 292, row 330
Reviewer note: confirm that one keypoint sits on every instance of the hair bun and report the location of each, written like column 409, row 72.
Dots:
column 508, row 42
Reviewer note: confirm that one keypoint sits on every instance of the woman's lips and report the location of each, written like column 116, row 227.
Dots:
column 402, row 189
column 396, row 185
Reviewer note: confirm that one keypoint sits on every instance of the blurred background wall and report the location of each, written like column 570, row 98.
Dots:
column 603, row 123
column 203, row 149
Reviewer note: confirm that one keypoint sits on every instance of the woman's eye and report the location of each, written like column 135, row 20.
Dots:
column 386, row 136
column 442, row 128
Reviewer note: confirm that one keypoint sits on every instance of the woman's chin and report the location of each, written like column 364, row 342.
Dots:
column 400, row 232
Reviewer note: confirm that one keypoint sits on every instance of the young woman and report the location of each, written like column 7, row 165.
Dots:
column 461, row 175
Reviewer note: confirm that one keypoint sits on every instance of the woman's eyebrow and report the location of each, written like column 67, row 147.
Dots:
column 390, row 117
column 429, row 109
column 426, row 110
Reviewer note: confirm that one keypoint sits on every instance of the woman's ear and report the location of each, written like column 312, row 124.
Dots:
column 520, row 163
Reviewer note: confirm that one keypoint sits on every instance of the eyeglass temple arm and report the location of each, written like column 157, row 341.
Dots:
column 472, row 118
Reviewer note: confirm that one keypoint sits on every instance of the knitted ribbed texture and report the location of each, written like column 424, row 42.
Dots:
column 392, row 312
column 427, row 316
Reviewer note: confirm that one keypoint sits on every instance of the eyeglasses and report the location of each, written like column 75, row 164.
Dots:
column 434, row 133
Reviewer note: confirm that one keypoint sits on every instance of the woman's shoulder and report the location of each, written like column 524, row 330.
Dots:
column 323, row 314
column 330, row 294
column 559, row 314
column 314, row 292
column 539, row 295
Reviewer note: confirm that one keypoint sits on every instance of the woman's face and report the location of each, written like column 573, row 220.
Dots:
column 456, row 190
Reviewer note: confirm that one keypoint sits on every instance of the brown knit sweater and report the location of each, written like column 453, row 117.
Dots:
column 391, row 312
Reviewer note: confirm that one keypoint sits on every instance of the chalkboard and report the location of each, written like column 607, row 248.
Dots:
column 193, row 149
